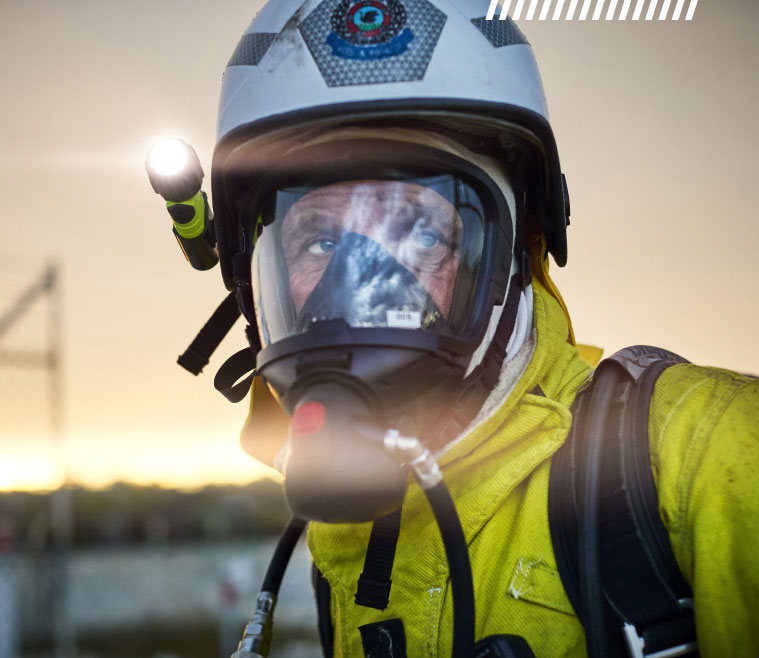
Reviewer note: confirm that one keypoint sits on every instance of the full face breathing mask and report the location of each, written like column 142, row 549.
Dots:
column 372, row 285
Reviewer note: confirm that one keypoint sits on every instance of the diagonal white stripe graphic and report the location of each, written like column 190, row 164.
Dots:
column 571, row 10
column 678, row 10
column 518, row 10
column 596, row 5
column 531, row 10
column 638, row 9
column 585, row 9
column 544, row 10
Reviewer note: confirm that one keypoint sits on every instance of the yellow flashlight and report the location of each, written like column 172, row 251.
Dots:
column 176, row 174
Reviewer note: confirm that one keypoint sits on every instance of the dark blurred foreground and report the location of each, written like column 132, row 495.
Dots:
column 148, row 573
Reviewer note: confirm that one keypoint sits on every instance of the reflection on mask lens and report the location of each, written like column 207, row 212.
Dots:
column 375, row 253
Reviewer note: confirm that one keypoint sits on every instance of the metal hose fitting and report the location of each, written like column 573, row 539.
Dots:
column 410, row 451
column 256, row 640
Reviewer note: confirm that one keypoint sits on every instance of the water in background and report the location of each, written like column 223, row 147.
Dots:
column 159, row 602
column 147, row 572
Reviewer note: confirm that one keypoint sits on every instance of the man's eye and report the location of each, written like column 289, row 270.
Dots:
column 425, row 237
column 323, row 246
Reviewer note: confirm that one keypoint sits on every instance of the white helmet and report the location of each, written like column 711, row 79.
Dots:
column 326, row 63
column 433, row 120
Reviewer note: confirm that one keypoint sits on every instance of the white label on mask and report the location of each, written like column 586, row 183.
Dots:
column 404, row 319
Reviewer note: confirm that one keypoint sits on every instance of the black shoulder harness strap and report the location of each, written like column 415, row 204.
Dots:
column 611, row 547
column 373, row 589
column 323, row 595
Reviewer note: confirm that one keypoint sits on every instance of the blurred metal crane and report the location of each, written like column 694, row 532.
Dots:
column 50, row 359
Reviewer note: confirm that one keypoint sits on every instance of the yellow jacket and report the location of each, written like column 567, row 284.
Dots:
column 705, row 456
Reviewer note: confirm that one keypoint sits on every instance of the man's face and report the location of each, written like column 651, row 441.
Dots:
column 416, row 225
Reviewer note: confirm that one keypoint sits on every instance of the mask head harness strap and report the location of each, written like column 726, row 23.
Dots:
column 228, row 378
column 197, row 355
column 235, row 377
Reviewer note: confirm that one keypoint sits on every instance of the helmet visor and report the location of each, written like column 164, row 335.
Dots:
column 375, row 253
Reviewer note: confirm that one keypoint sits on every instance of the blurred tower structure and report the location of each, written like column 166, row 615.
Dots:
column 61, row 512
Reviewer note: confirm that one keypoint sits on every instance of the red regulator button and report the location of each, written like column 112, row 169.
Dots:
column 308, row 419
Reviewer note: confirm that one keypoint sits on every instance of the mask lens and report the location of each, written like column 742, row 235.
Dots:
column 375, row 253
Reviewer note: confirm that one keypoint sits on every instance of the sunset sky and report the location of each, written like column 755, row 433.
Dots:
column 657, row 134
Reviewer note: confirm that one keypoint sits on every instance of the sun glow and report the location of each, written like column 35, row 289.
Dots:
column 97, row 461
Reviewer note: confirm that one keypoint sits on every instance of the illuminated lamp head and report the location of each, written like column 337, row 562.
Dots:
column 174, row 170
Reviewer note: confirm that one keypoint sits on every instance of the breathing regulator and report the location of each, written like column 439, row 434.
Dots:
column 375, row 166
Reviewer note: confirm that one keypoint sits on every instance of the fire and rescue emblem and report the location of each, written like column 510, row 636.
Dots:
column 372, row 42
column 369, row 29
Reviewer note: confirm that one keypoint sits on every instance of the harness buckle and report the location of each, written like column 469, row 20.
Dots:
column 636, row 643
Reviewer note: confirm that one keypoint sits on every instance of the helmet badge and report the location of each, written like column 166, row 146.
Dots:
column 369, row 29
column 369, row 42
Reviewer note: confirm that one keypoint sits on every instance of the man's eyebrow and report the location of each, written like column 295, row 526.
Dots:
column 310, row 214
column 444, row 212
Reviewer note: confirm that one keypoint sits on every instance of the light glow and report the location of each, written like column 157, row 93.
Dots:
column 169, row 157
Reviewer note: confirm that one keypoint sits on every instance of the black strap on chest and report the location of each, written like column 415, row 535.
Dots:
column 323, row 596
column 373, row 589
column 611, row 547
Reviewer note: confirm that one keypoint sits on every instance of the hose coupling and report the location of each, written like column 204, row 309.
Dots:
column 410, row 451
column 256, row 640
